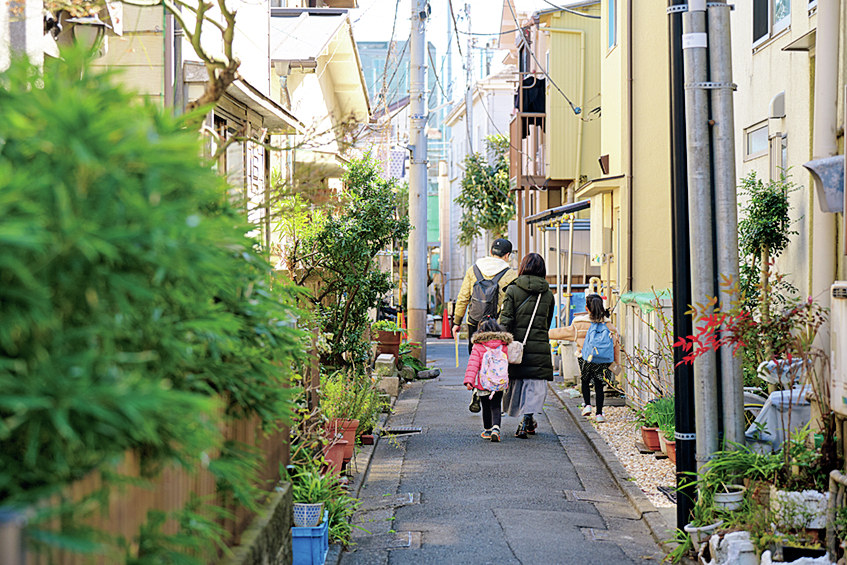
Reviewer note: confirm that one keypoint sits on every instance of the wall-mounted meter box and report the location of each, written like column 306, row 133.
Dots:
column 838, row 352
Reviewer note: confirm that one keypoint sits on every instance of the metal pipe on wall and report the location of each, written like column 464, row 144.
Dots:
column 695, row 61
column 726, row 206
column 571, row 218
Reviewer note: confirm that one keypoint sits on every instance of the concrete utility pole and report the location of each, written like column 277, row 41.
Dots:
column 416, row 297
column 695, row 57
column 726, row 206
column 469, row 82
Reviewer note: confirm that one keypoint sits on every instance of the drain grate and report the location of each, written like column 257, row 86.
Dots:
column 402, row 431
column 670, row 492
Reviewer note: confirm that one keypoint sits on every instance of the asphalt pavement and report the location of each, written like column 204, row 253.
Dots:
column 445, row 496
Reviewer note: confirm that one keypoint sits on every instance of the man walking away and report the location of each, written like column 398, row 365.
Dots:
column 478, row 297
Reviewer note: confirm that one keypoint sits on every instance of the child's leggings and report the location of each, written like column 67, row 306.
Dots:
column 491, row 409
column 592, row 372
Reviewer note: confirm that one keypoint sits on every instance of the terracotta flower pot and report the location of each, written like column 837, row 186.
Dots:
column 389, row 342
column 650, row 437
column 347, row 428
column 367, row 439
column 671, row 450
column 334, row 455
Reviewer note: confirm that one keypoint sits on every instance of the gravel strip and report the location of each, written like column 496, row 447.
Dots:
column 620, row 433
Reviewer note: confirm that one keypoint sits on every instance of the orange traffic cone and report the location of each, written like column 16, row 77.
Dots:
column 446, row 326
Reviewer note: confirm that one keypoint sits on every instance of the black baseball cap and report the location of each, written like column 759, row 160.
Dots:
column 501, row 247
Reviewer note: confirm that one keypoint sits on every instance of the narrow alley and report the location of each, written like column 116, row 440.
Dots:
column 446, row 496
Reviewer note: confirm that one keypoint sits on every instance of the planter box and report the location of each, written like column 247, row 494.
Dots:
column 650, row 437
column 367, row 439
column 663, row 443
column 309, row 545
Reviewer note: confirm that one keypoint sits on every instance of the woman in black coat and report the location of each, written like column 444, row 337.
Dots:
column 528, row 380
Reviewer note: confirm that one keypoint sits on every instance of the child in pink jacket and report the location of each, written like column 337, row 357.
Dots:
column 490, row 335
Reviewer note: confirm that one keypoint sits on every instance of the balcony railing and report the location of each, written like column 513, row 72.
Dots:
column 526, row 134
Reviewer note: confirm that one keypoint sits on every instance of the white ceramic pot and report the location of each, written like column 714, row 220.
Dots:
column 700, row 534
column 307, row 515
column 732, row 499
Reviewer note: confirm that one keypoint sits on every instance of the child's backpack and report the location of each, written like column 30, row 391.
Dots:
column 598, row 346
column 494, row 369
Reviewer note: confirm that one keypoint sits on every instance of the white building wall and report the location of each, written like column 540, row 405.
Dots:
column 761, row 73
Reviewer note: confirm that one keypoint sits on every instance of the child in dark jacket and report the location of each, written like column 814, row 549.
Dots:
column 489, row 336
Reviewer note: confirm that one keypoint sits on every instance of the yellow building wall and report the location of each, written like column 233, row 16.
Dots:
column 573, row 140
column 651, row 174
column 613, row 89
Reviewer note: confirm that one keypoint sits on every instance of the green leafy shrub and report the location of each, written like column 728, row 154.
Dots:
column 134, row 304
column 337, row 254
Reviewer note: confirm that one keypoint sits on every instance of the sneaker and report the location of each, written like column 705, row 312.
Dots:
column 585, row 411
column 531, row 426
column 486, row 434
column 495, row 434
column 521, row 432
column 475, row 406
column 599, row 418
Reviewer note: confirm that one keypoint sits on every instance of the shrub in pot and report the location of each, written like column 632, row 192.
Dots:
column 388, row 336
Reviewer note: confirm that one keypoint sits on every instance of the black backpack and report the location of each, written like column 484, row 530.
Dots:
column 485, row 295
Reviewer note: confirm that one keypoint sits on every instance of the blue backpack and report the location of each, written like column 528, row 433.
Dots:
column 598, row 346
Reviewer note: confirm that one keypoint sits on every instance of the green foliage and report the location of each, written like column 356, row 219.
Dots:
column 196, row 541
column 310, row 486
column 340, row 250
column 661, row 411
column 385, row 326
column 134, row 305
column 485, row 197
column 350, row 395
column 765, row 221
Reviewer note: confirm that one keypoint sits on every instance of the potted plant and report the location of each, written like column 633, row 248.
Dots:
column 729, row 496
column 664, row 417
column 649, row 424
column 388, row 336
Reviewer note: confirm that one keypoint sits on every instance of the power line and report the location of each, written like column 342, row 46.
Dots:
column 574, row 12
column 493, row 33
column 576, row 109
column 455, row 26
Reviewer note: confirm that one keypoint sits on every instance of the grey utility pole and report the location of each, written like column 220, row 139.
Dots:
column 695, row 59
column 416, row 298
column 726, row 205
column 469, row 83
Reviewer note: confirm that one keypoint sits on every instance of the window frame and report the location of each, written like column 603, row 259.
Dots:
column 754, row 128
column 612, row 28
column 774, row 28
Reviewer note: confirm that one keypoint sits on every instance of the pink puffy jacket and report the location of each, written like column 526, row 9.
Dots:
column 481, row 340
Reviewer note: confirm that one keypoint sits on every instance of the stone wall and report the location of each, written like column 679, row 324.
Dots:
column 268, row 539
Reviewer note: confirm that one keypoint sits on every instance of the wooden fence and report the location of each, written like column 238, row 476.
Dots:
column 170, row 491
column 645, row 356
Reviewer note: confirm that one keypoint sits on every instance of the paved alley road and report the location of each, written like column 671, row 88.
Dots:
column 447, row 497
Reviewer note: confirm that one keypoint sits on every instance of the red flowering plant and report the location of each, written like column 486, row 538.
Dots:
column 775, row 339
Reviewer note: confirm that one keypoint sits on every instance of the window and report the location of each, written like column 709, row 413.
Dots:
column 613, row 23
column 769, row 18
column 756, row 141
column 779, row 155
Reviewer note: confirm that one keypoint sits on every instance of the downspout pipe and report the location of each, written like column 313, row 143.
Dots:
column 726, row 206
column 169, row 59
column 695, row 70
column 630, row 167
column 683, row 374
column 824, row 145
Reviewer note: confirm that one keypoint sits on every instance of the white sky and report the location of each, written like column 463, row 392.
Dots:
column 373, row 20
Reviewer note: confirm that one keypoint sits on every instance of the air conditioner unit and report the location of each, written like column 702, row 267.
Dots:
column 838, row 352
